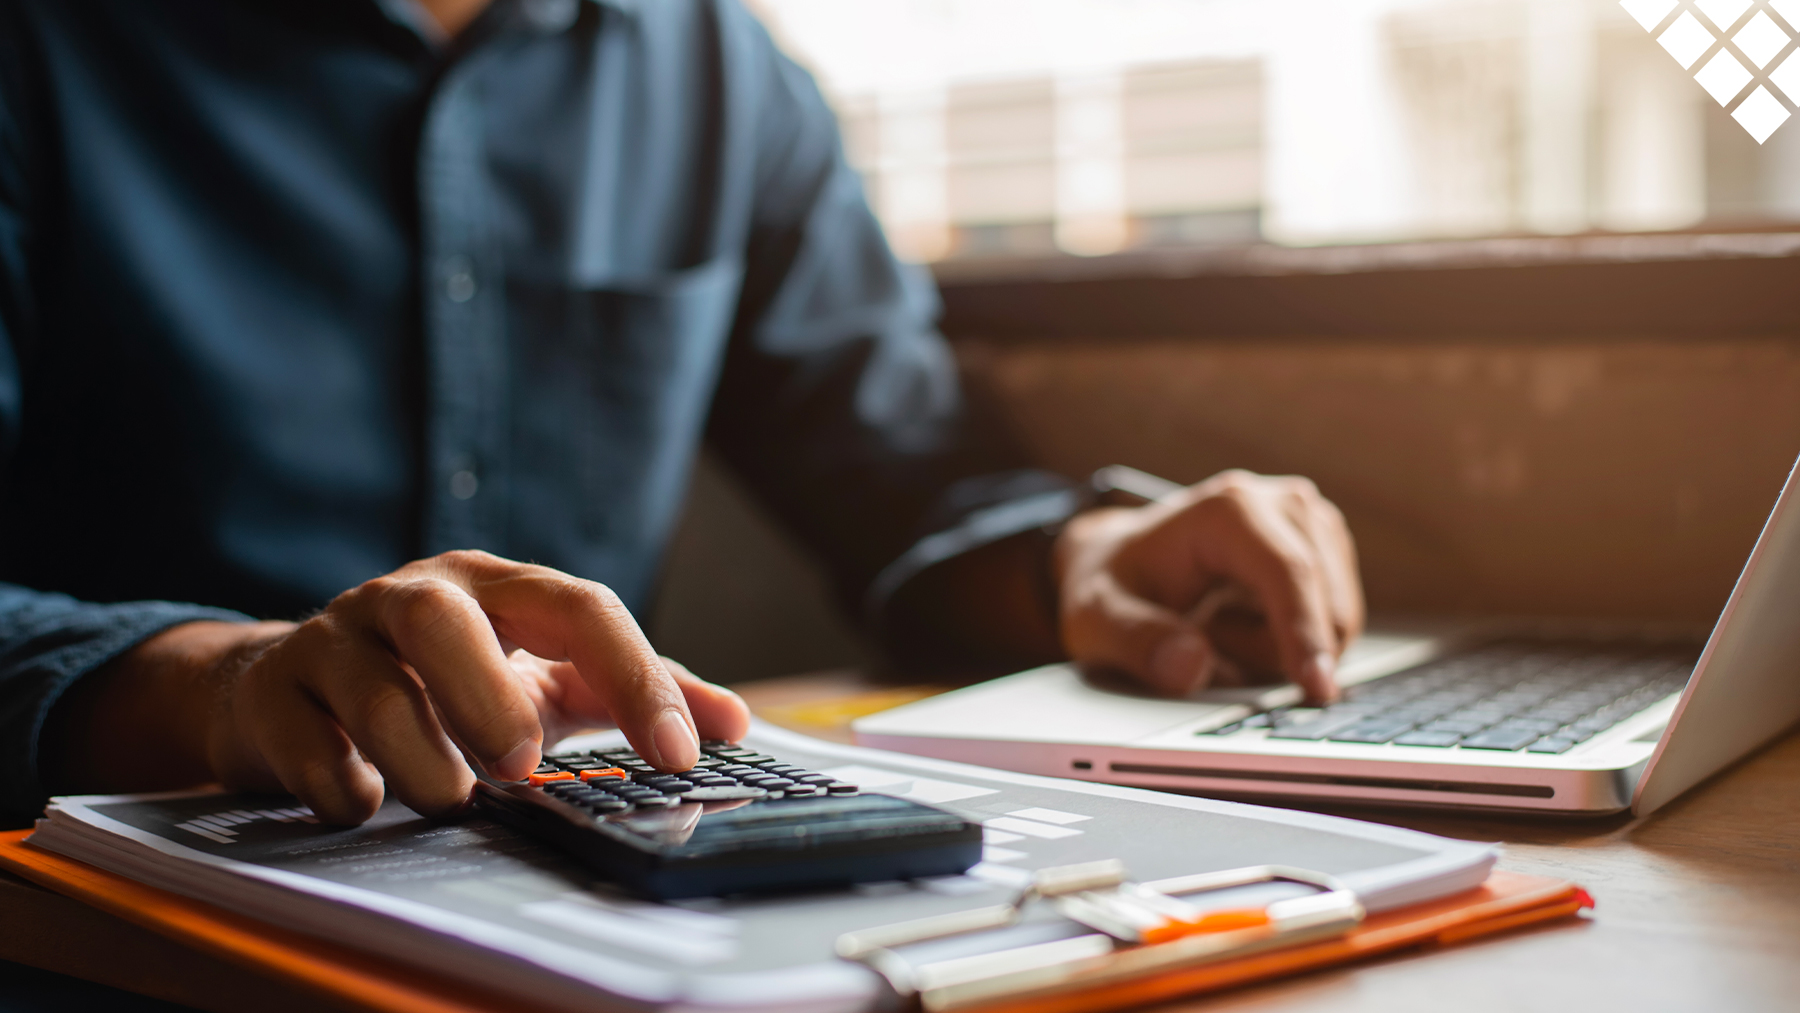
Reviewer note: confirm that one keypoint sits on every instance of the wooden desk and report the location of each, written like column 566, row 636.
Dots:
column 1699, row 909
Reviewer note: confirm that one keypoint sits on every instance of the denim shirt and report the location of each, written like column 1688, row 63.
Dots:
column 293, row 293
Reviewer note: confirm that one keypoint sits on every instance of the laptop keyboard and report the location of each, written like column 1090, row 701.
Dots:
column 1508, row 696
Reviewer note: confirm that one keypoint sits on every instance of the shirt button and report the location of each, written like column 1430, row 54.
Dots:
column 459, row 284
column 464, row 484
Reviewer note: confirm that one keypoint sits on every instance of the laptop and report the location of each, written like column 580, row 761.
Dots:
column 1493, row 716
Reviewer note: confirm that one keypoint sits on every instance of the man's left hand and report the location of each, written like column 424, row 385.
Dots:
column 1129, row 577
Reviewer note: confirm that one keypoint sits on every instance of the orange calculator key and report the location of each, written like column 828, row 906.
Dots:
column 539, row 780
column 589, row 775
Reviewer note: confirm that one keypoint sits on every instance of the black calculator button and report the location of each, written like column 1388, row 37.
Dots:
column 656, row 801
column 608, row 805
column 803, row 791
column 819, row 779
column 675, row 787
column 775, row 784
column 842, row 789
column 783, row 768
column 723, row 793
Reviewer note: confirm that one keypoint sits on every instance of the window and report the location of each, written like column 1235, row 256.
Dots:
column 1082, row 127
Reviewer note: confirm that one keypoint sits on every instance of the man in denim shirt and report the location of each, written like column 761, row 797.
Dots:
column 292, row 294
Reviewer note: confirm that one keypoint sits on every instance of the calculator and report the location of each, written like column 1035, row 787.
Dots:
column 740, row 821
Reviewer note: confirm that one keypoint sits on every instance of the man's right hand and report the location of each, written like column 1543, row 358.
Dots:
column 391, row 685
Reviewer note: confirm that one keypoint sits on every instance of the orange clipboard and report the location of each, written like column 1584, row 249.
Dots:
column 1505, row 901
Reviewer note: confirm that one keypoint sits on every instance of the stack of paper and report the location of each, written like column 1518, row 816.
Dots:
column 476, row 902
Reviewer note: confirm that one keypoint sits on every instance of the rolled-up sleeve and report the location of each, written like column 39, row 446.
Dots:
column 47, row 643
column 839, row 403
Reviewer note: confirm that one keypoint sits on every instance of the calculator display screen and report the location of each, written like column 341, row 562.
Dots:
column 729, row 826
column 670, row 827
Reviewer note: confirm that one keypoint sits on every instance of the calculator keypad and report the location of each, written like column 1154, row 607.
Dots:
column 609, row 781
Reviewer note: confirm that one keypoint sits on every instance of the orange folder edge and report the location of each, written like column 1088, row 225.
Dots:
column 1507, row 900
column 337, row 972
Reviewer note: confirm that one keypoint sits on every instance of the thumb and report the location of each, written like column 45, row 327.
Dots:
column 1118, row 628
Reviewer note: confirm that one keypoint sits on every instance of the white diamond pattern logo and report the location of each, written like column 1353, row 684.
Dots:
column 1787, row 76
column 1760, row 114
column 1764, row 32
column 1723, row 13
column 1686, row 39
column 1761, row 39
column 1724, row 77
